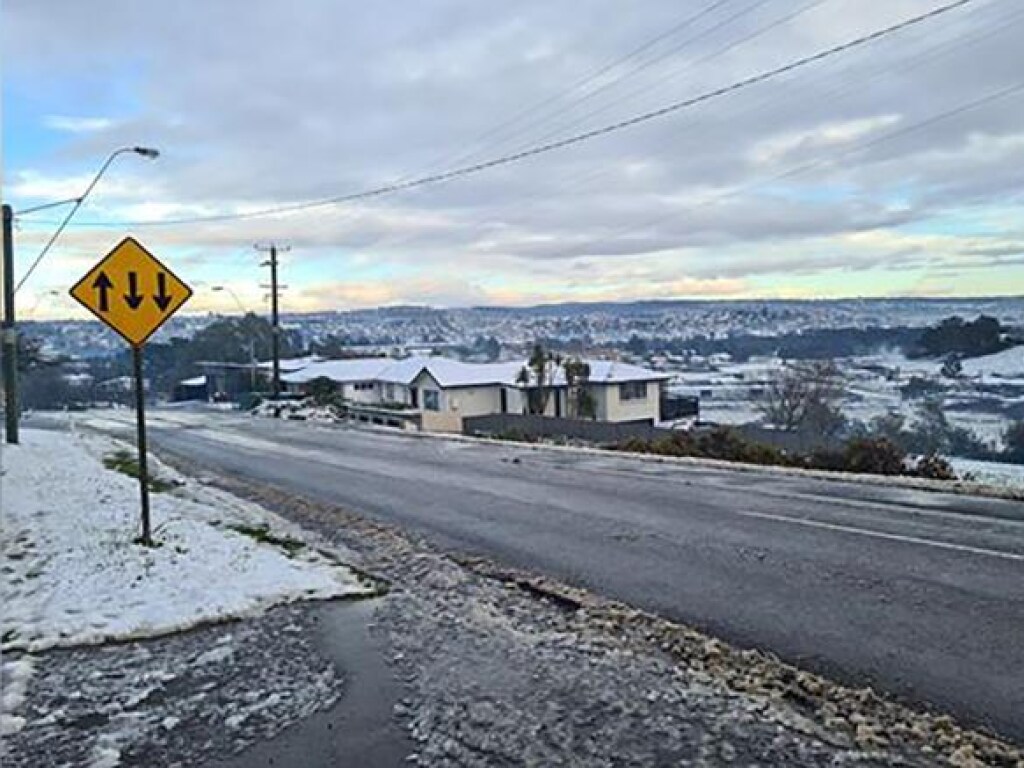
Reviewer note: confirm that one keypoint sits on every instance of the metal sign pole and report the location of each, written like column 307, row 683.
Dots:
column 134, row 293
column 140, row 417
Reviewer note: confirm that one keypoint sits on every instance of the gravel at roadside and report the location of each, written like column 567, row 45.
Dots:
column 502, row 668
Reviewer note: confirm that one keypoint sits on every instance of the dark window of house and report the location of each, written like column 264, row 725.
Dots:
column 431, row 399
column 633, row 390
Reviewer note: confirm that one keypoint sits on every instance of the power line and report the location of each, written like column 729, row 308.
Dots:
column 587, row 80
column 482, row 148
column 900, row 132
column 610, row 84
column 848, row 84
column 689, row 65
column 541, row 149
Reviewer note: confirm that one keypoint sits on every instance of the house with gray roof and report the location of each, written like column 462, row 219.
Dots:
column 446, row 390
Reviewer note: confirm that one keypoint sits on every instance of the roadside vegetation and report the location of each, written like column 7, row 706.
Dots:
column 867, row 455
column 126, row 463
column 262, row 535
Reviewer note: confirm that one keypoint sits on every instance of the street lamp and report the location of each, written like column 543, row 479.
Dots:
column 238, row 301
column 8, row 330
column 252, row 342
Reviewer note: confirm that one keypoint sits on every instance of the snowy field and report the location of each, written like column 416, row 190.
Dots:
column 73, row 576
column 985, row 399
column 991, row 473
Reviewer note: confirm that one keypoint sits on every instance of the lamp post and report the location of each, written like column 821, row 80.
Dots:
column 252, row 342
column 8, row 329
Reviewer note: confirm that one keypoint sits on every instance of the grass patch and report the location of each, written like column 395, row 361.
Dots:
column 126, row 463
column 262, row 535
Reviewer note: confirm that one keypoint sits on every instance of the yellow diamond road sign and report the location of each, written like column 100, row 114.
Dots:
column 131, row 291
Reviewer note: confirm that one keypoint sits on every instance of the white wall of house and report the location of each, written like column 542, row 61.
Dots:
column 614, row 405
column 393, row 393
column 473, row 401
column 361, row 391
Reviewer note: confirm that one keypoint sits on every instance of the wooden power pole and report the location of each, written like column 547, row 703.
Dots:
column 275, row 340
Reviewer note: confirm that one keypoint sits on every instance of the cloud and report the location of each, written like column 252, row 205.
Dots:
column 810, row 177
column 78, row 124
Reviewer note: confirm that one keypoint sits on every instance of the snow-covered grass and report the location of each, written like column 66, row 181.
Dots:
column 991, row 473
column 73, row 574
column 1006, row 364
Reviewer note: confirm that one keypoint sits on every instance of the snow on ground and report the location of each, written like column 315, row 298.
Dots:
column 72, row 574
column 1006, row 364
column 302, row 410
column 991, row 473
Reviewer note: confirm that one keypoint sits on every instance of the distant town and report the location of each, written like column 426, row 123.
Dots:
column 933, row 376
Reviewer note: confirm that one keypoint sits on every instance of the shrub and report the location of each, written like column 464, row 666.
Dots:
column 634, row 445
column 877, row 456
column 832, row 461
column 934, row 467
column 868, row 455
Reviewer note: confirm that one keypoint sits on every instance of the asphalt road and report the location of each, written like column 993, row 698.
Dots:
column 919, row 594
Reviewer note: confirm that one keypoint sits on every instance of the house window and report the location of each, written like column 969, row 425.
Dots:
column 390, row 392
column 431, row 399
column 633, row 390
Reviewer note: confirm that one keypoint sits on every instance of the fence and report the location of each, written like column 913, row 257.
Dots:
column 536, row 426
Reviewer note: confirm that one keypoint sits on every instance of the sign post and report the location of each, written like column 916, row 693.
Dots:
column 134, row 293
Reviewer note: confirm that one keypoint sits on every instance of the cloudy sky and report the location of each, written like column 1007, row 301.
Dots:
column 896, row 169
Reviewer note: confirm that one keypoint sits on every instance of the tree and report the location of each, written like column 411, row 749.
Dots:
column 322, row 389
column 580, row 401
column 982, row 336
column 45, row 388
column 227, row 340
column 805, row 396
column 1014, row 439
column 891, row 427
column 952, row 368
column 30, row 353
column 536, row 376
column 933, row 434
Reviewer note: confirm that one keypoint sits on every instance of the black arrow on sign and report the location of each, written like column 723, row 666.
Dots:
column 162, row 298
column 133, row 298
column 102, row 284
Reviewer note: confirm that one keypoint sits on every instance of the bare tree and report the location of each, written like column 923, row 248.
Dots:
column 805, row 396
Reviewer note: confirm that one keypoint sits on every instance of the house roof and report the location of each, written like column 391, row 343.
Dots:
column 291, row 363
column 341, row 371
column 454, row 373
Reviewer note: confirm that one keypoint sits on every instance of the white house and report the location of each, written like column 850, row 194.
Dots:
column 441, row 388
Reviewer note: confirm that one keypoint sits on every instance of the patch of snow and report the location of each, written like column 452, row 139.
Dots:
column 74, row 576
column 992, row 473
column 104, row 756
column 1006, row 364
column 215, row 655
column 14, row 677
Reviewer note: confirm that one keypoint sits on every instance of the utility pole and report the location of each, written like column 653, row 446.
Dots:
column 275, row 340
column 9, row 331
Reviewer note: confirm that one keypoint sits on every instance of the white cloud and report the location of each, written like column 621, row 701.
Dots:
column 78, row 124
column 350, row 98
